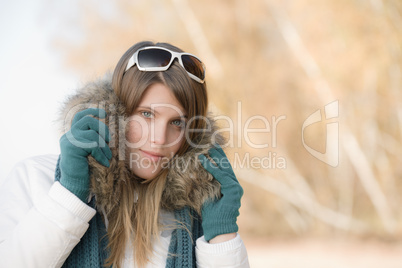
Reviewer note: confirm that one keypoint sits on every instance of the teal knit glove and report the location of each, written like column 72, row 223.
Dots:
column 87, row 136
column 219, row 216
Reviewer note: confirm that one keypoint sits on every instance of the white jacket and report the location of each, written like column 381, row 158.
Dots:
column 41, row 222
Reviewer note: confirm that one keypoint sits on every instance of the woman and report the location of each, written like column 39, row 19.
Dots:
column 141, row 180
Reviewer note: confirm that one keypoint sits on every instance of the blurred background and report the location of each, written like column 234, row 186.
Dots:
column 312, row 90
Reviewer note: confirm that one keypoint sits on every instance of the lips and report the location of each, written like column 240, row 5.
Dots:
column 151, row 155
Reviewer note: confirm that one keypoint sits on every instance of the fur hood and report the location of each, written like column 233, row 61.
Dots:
column 187, row 184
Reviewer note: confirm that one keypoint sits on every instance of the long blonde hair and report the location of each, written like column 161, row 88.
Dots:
column 138, row 218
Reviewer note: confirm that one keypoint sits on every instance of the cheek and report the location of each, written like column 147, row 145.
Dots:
column 176, row 141
column 137, row 131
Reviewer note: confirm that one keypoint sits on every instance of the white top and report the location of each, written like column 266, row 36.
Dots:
column 41, row 222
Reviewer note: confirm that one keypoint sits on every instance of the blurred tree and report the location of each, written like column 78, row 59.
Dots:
column 279, row 59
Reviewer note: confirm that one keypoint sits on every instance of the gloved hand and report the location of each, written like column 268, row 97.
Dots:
column 87, row 136
column 219, row 216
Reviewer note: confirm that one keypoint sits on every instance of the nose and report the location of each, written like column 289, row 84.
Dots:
column 158, row 133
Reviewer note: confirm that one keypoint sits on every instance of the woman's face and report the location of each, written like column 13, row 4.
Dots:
column 155, row 131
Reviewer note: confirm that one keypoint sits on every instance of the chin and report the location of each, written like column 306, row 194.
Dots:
column 146, row 173
column 145, row 168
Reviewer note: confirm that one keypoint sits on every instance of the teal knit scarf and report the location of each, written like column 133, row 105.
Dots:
column 92, row 251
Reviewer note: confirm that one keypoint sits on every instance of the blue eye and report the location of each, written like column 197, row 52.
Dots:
column 146, row 114
column 178, row 123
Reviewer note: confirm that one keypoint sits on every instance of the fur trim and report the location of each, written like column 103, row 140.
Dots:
column 188, row 183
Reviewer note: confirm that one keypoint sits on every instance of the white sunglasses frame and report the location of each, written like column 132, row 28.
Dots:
column 175, row 55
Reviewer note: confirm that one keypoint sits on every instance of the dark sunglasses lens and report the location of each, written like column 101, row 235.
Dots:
column 153, row 58
column 193, row 66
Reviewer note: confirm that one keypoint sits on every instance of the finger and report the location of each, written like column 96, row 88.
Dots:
column 219, row 149
column 217, row 152
column 208, row 165
column 103, row 146
column 91, row 142
column 224, row 164
column 82, row 139
column 100, row 113
column 220, row 158
column 86, row 139
column 88, row 122
column 214, row 153
column 225, row 179
column 107, row 152
column 100, row 156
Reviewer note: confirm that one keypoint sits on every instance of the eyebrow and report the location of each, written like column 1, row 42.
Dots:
column 149, row 108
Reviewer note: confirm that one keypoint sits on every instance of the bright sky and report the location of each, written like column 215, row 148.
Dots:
column 33, row 84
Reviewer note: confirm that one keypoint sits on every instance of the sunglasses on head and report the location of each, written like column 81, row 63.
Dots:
column 154, row 58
